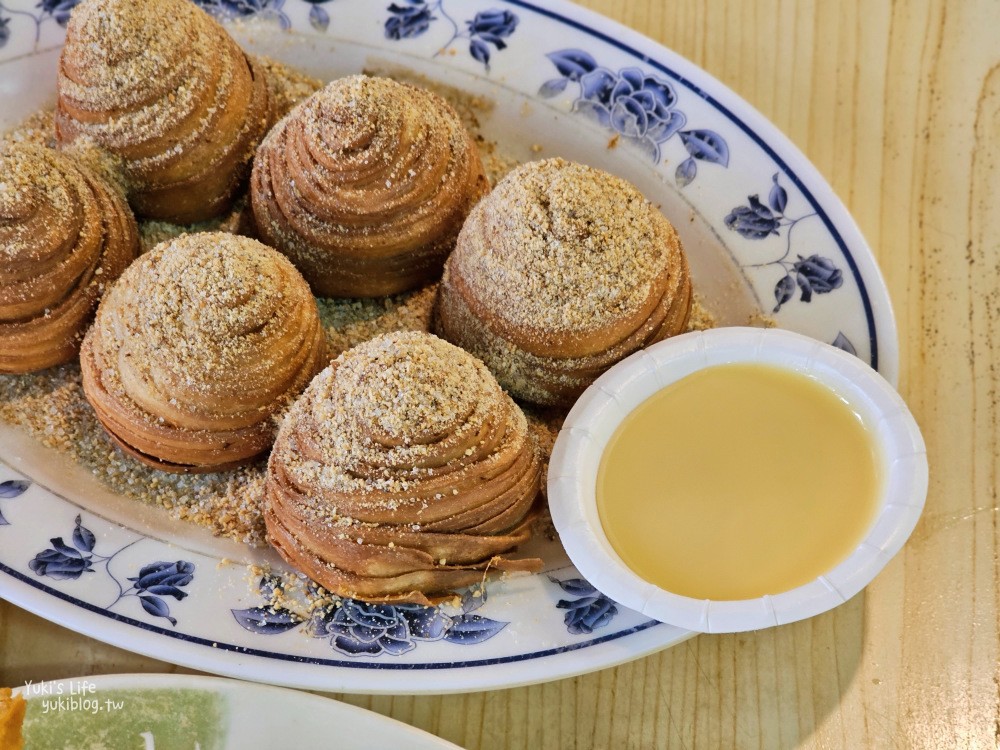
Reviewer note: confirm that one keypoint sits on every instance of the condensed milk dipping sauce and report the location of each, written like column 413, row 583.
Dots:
column 739, row 481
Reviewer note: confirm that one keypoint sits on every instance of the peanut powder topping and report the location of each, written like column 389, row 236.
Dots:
column 405, row 399
column 202, row 303
column 561, row 246
column 365, row 186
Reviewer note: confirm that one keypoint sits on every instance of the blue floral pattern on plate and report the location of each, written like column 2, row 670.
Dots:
column 639, row 107
column 357, row 628
column 10, row 489
column 487, row 29
column 64, row 562
column 57, row 10
column 814, row 274
column 589, row 610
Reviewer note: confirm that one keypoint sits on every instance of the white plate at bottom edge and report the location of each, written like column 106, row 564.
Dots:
column 162, row 711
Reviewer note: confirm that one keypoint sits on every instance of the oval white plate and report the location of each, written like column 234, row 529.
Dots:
column 212, row 713
column 763, row 232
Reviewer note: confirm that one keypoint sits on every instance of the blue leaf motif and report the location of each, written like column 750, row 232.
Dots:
column 598, row 85
column 572, row 63
column 265, row 620
column 4, row 521
column 575, row 586
column 783, row 291
column 83, row 538
column 469, row 629
column 480, row 51
column 687, row 170
column 4, row 31
column 13, row 488
column 319, row 18
column 553, row 87
column 706, row 145
column 805, row 287
column 842, row 342
column 157, row 608
column 777, row 199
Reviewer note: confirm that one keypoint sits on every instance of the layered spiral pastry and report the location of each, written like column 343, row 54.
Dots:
column 65, row 234
column 163, row 86
column 402, row 472
column 365, row 186
column 196, row 347
column 559, row 273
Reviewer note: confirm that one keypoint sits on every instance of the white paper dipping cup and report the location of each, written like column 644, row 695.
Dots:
column 576, row 457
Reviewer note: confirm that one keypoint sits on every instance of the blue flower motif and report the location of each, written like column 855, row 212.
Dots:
column 488, row 28
column 63, row 562
column 810, row 275
column 155, row 580
column 58, row 9
column 164, row 578
column 755, row 221
column 493, row 25
column 408, row 21
column 363, row 629
column 359, row 628
column 640, row 107
column 816, row 274
column 593, row 610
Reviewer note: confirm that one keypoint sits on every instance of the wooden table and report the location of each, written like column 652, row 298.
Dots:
column 898, row 105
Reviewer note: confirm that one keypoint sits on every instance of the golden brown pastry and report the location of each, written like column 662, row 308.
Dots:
column 559, row 273
column 403, row 472
column 65, row 233
column 365, row 186
column 196, row 347
column 12, row 709
column 163, row 86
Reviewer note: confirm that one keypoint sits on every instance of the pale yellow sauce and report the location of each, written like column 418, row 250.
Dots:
column 738, row 481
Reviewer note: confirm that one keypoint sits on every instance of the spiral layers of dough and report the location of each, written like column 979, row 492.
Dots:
column 196, row 347
column 560, row 272
column 64, row 234
column 401, row 473
column 365, row 186
column 163, row 86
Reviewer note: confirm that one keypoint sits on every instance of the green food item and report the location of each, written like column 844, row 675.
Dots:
column 125, row 719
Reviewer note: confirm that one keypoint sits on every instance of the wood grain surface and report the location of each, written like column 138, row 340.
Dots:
column 898, row 105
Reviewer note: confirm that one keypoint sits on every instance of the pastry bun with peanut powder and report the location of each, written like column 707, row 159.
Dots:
column 365, row 186
column 402, row 473
column 197, row 347
column 65, row 233
column 559, row 273
column 163, row 86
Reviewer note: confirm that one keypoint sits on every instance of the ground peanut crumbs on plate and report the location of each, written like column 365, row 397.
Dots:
column 51, row 408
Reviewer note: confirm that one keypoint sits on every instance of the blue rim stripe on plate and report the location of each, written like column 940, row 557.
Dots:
column 807, row 194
